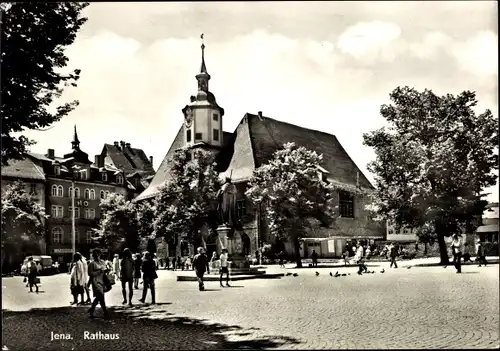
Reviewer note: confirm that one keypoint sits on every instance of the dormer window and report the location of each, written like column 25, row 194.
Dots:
column 104, row 176
column 57, row 170
column 119, row 179
column 83, row 174
column 216, row 117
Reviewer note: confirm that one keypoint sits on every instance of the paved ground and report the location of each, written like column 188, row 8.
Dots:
column 422, row 307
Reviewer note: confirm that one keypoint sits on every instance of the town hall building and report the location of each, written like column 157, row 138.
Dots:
column 251, row 145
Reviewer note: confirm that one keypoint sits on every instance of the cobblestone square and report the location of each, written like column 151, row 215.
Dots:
column 422, row 307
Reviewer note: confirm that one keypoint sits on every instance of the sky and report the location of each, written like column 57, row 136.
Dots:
column 327, row 66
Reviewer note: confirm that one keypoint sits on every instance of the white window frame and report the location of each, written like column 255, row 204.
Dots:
column 59, row 231
column 104, row 176
column 119, row 179
column 77, row 212
column 83, row 174
column 60, row 191
column 54, row 211
column 54, row 190
column 92, row 194
column 86, row 213
column 77, row 192
column 92, row 213
column 86, row 194
column 106, row 194
column 57, row 170
column 102, row 194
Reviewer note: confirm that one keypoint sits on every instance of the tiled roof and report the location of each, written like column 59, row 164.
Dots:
column 253, row 144
column 23, row 169
column 127, row 159
column 267, row 135
column 163, row 173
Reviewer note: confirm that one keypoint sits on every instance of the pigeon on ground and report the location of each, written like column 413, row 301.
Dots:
column 348, row 273
column 337, row 274
column 295, row 274
column 317, row 273
column 331, row 275
column 343, row 274
column 382, row 271
column 373, row 272
column 288, row 274
column 408, row 267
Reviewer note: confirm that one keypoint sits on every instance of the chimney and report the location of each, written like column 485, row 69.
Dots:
column 260, row 115
column 122, row 143
column 97, row 159
column 50, row 153
column 151, row 160
column 115, row 143
column 127, row 145
column 193, row 98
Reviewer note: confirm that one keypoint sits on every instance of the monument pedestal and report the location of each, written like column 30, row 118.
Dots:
column 233, row 244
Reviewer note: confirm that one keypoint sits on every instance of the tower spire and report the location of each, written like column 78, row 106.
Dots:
column 75, row 143
column 203, row 77
column 203, row 68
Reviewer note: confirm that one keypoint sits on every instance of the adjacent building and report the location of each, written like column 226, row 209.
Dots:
column 137, row 167
column 251, row 145
column 53, row 179
column 403, row 235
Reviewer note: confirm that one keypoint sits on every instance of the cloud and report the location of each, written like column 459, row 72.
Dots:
column 370, row 40
column 478, row 54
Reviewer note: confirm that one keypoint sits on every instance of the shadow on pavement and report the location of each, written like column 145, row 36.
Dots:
column 142, row 327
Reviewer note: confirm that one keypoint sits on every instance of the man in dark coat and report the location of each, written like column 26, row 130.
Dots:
column 200, row 264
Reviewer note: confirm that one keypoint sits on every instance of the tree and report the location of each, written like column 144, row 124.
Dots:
column 22, row 219
column 433, row 162
column 119, row 222
column 34, row 36
column 188, row 201
column 146, row 217
column 295, row 197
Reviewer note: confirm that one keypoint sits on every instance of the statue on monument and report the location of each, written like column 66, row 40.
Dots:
column 227, row 204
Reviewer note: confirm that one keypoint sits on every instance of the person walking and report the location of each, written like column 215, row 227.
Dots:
column 86, row 279
column 314, row 257
column 97, row 270
column 394, row 253
column 116, row 266
column 137, row 268
column 77, row 279
column 173, row 263
column 213, row 260
column 281, row 257
column 200, row 263
column 148, row 277
column 481, row 257
column 224, row 267
column 32, row 274
column 456, row 244
column 179, row 262
column 127, row 270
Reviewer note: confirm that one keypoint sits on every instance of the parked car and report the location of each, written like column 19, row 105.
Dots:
column 45, row 262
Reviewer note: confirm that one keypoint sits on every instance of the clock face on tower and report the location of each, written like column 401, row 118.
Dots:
column 188, row 116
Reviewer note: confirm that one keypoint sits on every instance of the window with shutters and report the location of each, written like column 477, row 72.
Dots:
column 346, row 204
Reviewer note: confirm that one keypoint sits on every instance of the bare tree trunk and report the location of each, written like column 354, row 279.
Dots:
column 443, row 251
column 425, row 248
column 297, row 253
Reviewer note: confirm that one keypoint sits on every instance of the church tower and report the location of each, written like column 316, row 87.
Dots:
column 203, row 116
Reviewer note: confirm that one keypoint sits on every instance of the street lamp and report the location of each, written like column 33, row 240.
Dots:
column 73, row 230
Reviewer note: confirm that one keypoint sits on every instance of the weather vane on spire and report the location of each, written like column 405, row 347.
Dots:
column 202, row 41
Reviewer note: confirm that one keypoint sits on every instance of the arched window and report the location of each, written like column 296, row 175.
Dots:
column 92, row 194
column 60, row 191
column 87, row 194
column 119, row 179
column 70, row 191
column 107, row 194
column 77, row 193
column 103, row 196
column 57, row 235
column 54, row 190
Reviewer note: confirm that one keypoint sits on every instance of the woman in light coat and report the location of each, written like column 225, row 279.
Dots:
column 86, row 279
column 77, row 279
column 97, row 269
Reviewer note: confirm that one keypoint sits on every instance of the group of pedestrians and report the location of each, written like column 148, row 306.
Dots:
column 456, row 249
